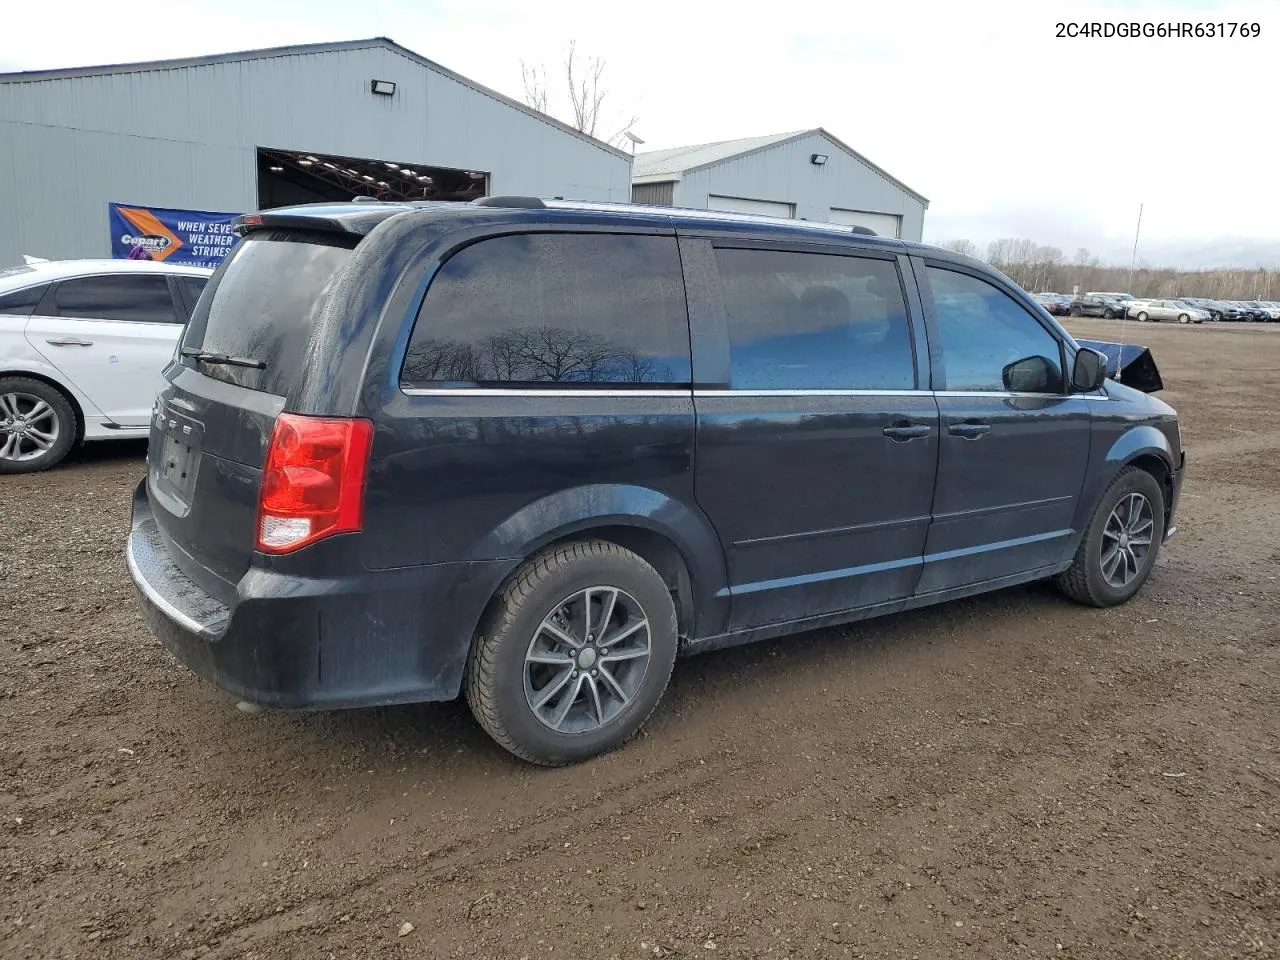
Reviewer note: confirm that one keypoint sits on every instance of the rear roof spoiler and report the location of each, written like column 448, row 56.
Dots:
column 346, row 218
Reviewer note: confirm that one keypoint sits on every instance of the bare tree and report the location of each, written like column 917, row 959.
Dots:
column 535, row 86
column 584, row 91
column 966, row 248
column 585, row 86
column 1037, row 267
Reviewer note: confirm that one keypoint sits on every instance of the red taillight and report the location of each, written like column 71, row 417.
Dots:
column 313, row 481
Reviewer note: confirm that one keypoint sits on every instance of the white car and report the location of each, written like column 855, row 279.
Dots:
column 1167, row 310
column 83, row 345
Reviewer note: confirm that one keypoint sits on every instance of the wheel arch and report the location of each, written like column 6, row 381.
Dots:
column 1147, row 448
column 674, row 538
column 71, row 398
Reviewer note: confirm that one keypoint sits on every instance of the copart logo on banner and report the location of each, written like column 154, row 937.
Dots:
column 152, row 235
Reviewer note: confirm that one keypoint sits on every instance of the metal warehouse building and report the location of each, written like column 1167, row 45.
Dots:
column 263, row 128
column 808, row 174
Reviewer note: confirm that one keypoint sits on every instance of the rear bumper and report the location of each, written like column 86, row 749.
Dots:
column 290, row 642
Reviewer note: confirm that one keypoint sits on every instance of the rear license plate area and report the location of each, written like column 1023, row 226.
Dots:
column 174, row 470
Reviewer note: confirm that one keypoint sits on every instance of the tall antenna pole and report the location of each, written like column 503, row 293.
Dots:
column 1133, row 261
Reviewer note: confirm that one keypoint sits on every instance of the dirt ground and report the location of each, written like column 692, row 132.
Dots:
column 1007, row 776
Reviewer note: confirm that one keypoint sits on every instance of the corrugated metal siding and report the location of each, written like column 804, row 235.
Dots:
column 186, row 137
column 784, row 174
column 659, row 194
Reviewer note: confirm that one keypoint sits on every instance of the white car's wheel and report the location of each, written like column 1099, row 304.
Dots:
column 1142, row 316
column 37, row 425
column 1183, row 318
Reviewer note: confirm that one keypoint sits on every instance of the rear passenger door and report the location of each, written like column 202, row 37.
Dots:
column 817, row 439
column 112, row 337
column 1014, row 445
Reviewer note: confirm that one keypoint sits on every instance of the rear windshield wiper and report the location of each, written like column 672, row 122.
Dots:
column 206, row 357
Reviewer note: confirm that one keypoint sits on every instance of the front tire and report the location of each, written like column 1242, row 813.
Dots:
column 574, row 655
column 37, row 425
column 1142, row 317
column 1119, row 548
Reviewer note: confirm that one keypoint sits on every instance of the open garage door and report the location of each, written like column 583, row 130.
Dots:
column 764, row 208
column 884, row 224
column 286, row 177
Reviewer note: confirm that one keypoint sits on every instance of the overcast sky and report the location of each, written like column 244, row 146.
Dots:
column 1008, row 130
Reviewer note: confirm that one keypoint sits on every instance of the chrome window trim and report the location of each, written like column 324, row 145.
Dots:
column 816, row 392
column 667, row 392
column 536, row 392
column 1005, row 394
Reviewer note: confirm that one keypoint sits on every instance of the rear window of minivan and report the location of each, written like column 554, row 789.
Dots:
column 263, row 303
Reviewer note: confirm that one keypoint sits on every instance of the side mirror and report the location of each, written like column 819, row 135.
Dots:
column 1090, row 370
column 1032, row 375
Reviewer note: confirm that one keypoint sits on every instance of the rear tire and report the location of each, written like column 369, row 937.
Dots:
column 1132, row 508
column 574, row 655
column 37, row 425
column 1075, row 312
column 1183, row 318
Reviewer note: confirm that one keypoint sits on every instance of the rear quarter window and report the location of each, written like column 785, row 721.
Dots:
column 554, row 309
column 22, row 302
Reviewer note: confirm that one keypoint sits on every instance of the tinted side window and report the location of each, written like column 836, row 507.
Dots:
column 22, row 302
column 139, row 299
column 190, row 289
column 983, row 330
column 555, row 308
column 815, row 321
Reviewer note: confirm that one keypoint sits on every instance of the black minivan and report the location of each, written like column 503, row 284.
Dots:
column 535, row 450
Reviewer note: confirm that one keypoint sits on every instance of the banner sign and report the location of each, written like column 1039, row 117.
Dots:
column 195, row 238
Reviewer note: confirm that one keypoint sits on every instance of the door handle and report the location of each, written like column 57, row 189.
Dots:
column 903, row 432
column 69, row 342
column 969, row 431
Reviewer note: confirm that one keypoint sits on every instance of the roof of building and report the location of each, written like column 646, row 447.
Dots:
column 306, row 48
column 658, row 166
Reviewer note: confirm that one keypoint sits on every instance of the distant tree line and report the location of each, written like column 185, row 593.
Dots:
column 1039, row 268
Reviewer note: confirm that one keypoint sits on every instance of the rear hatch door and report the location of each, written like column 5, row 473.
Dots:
column 242, row 354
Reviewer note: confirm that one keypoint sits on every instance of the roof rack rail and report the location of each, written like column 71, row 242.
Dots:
column 865, row 231
column 532, row 203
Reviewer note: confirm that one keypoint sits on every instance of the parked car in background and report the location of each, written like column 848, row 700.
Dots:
column 1200, row 303
column 1264, row 311
column 83, row 344
column 1056, row 303
column 1109, row 295
column 410, row 451
column 1230, row 311
column 1168, row 310
column 1097, row 305
column 1198, row 307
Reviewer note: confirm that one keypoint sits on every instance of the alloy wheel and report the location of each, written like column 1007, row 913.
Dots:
column 29, row 427
column 587, row 660
column 1126, row 539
